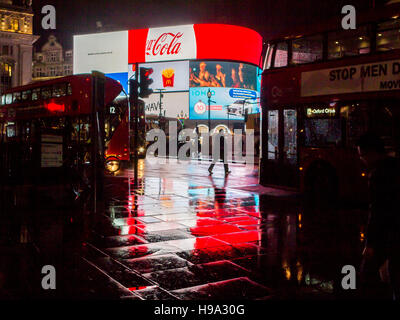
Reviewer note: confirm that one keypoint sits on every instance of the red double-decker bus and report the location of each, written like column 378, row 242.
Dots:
column 47, row 125
column 320, row 91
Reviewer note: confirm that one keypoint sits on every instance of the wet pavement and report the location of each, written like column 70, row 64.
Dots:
column 177, row 233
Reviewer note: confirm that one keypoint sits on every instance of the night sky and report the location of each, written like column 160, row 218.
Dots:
column 268, row 17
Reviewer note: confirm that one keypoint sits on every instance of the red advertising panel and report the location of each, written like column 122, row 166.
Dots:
column 227, row 42
column 192, row 42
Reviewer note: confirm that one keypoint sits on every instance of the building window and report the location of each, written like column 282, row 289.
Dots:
column 4, row 51
column 5, row 76
column 53, row 57
column 348, row 43
column 15, row 24
column 305, row 50
column 388, row 35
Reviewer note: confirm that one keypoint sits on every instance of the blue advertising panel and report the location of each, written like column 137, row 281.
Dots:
column 122, row 78
column 224, row 105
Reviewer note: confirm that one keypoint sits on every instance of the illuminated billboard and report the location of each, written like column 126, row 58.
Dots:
column 222, row 74
column 186, row 61
column 169, row 76
column 173, row 104
column 224, row 105
column 195, row 42
column 105, row 52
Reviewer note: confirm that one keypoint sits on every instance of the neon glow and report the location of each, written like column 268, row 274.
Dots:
column 54, row 107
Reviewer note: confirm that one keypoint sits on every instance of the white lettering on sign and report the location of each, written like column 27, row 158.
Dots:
column 379, row 76
column 171, row 43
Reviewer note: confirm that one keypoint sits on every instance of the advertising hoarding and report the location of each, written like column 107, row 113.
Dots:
column 170, row 43
column 170, row 76
column 378, row 76
column 223, row 107
column 222, row 74
column 174, row 104
column 104, row 52
column 197, row 41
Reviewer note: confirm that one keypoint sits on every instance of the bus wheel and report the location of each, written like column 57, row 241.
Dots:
column 112, row 164
column 321, row 187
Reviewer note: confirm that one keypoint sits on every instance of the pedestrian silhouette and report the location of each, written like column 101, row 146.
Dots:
column 381, row 255
column 222, row 154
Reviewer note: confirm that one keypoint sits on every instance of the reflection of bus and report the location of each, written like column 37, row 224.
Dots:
column 320, row 92
column 47, row 125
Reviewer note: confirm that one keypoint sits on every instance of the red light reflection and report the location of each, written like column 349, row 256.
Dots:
column 54, row 107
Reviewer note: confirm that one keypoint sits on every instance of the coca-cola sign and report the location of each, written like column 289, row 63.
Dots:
column 171, row 43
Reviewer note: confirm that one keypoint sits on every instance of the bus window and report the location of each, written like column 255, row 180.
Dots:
column 3, row 99
column 59, row 90
column 322, row 132
column 69, row 89
column 46, row 93
column 11, row 131
column 273, row 134
column 268, row 57
column 281, row 55
column 35, row 94
column 348, row 43
column 26, row 95
column 307, row 49
column 388, row 35
column 9, row 98
column 356, row 117
column 290, row 135
column 16, row 97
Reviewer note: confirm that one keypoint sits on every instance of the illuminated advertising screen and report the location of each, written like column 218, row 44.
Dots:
column 173, row 104
column 169, row 76
column 222, row 74
column 105, row 52
column 226, row 103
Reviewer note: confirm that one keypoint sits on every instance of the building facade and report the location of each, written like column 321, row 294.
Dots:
column 16, row 42
column 52, row 61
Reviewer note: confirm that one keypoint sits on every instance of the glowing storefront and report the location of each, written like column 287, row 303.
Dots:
column 188, row 61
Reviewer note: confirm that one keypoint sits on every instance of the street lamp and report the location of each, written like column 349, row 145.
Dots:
column 209, row 94
column 160, row 114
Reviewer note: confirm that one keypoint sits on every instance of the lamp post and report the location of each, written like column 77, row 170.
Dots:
column 160, row 107
column 209, row 94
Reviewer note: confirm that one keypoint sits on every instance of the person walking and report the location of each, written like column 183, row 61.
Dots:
column 381, row 255
column 222, row 154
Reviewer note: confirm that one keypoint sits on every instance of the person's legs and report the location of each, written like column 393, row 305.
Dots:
column 226, row 168
column 211, row 167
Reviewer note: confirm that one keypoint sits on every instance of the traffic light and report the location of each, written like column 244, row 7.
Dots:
column 145, row 82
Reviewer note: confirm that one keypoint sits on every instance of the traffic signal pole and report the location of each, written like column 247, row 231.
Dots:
column 133, row 107
column 138, row 87
column 97, row 136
